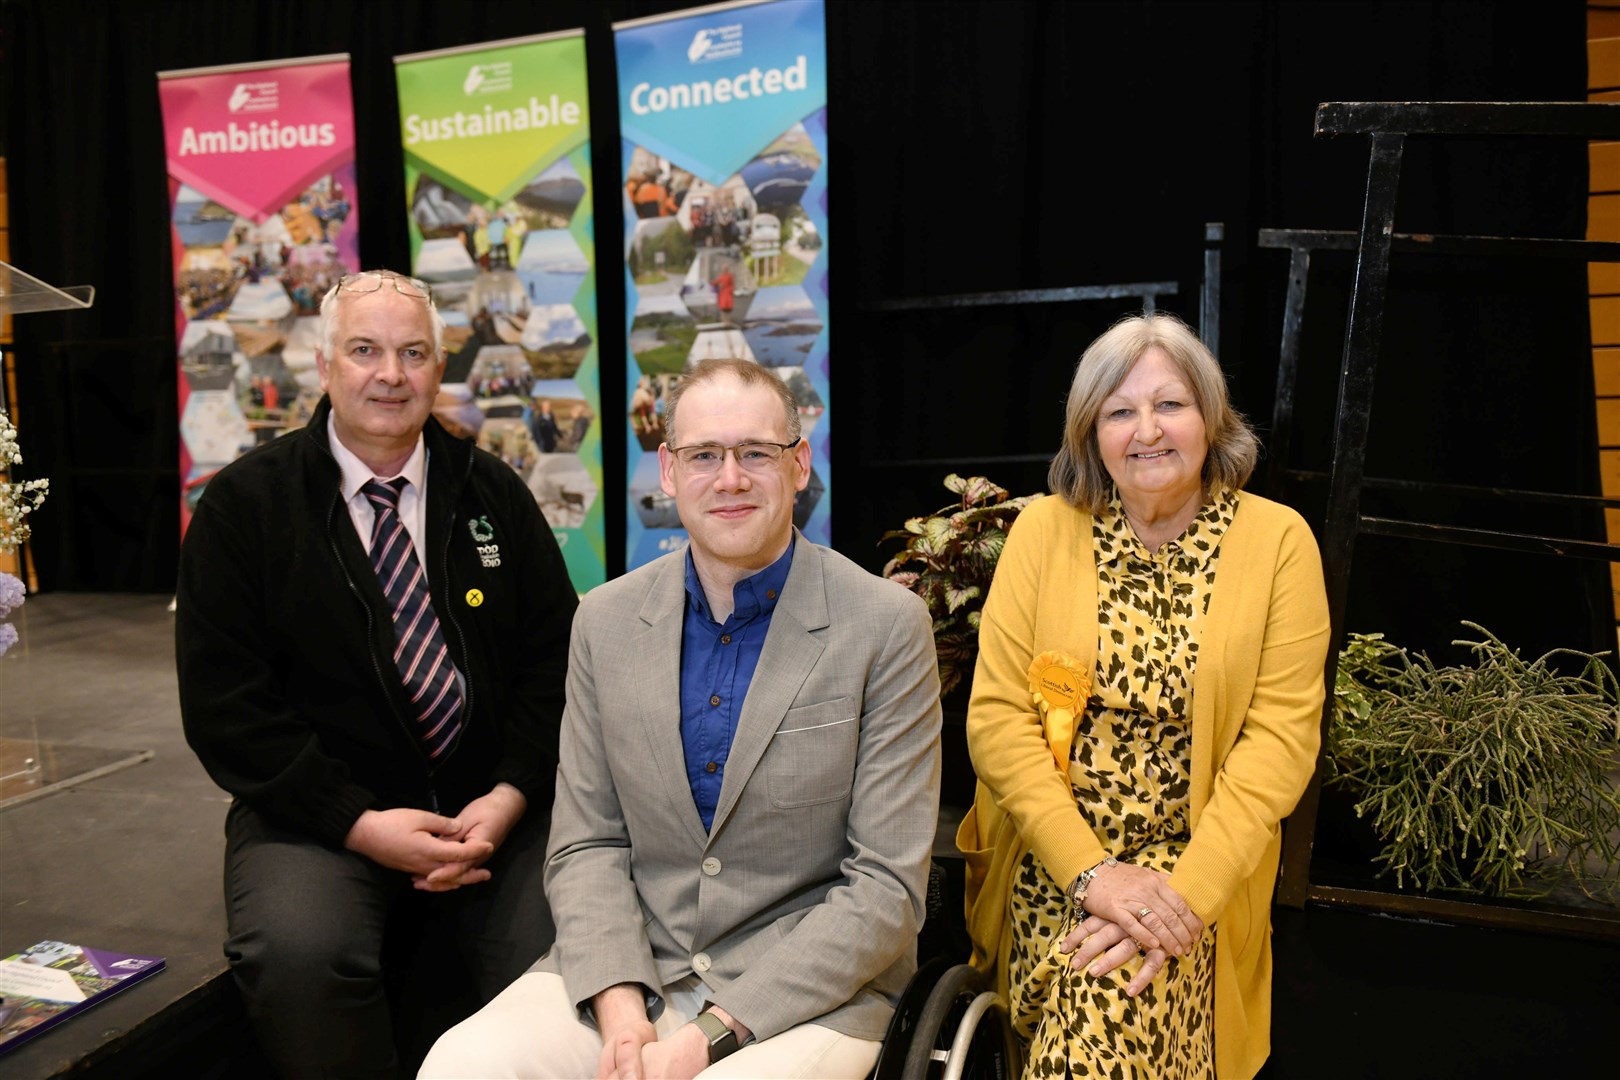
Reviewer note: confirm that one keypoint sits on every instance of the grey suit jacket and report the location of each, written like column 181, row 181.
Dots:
column 804, row 900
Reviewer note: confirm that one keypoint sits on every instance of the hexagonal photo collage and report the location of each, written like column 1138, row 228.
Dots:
column 507, row 276
column 719, row 271
column 250, row 292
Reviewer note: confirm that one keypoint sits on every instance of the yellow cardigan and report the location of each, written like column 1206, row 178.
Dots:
column 1256, row 725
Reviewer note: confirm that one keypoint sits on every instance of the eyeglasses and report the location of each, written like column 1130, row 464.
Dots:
column 372, row 280
column 754, row 457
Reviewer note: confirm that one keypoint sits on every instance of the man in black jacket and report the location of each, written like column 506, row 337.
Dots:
column 372, row 630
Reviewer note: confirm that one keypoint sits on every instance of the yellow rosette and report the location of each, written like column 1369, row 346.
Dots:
column 1059, row 686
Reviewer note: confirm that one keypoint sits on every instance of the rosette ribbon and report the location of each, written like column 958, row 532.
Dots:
column 1059, row 686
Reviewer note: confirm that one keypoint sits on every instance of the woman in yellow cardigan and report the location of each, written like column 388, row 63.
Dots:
column 1145, row 711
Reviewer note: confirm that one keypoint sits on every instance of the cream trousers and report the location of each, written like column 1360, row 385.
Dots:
column 532, row 1030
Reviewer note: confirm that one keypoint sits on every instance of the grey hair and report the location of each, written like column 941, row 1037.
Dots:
column 744, row 371
column 1078, row 473
column 329, row 303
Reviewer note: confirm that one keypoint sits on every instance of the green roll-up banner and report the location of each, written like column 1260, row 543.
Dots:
column 498, row 185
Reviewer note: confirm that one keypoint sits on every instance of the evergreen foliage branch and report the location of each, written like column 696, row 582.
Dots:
column 1491, row 777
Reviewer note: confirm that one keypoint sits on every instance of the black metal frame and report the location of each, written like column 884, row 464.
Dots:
column 1209, row 324
column 1387, row 125
column 1149, row 291
column 1301, row 244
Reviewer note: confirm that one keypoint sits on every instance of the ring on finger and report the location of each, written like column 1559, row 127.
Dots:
column 1144, row 913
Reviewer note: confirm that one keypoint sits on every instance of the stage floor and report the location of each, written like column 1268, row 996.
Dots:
column 127, row 860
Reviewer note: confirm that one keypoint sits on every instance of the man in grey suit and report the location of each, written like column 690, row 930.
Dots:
column 748, row 788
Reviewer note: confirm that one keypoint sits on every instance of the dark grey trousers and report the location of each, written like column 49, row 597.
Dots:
column 347, row 971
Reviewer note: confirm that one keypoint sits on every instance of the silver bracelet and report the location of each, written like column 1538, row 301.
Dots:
column 1077, row 891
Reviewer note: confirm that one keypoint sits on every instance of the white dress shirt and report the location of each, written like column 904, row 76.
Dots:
column 412, row 498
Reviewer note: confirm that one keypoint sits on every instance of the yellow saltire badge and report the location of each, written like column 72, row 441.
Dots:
column 1060, row 687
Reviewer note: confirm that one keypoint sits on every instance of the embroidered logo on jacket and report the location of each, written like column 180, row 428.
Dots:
column 483, row 533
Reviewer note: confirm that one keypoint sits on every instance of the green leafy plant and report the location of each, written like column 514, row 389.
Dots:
column 1490, row 777
column 949, row 558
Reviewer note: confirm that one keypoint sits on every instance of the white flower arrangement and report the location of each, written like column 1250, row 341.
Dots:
column 18, row 499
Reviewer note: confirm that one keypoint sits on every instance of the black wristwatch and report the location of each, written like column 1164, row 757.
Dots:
column 722, row 1040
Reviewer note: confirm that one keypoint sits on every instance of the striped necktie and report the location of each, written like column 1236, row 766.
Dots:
column 419, row 650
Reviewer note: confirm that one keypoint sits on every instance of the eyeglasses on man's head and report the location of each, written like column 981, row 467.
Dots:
column 370, row 281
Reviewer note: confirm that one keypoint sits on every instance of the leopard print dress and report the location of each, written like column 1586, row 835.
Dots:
column 1130, row 770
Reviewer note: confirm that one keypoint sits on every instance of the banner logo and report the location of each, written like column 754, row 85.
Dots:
column 487, row 79
column 715, row 43
column 255, row 97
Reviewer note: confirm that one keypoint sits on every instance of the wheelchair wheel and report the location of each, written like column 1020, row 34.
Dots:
column 903, row 1025
column 949, row 1042
column 983, row 1052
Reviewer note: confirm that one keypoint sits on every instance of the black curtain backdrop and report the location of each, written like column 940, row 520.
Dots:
column 975, row 146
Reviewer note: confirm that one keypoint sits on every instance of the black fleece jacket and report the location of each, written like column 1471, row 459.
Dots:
column 288, row 689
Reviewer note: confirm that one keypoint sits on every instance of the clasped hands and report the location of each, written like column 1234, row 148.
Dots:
column 631, row 1048
column 635, row 1052
column 440, row 853
column 1131, row 910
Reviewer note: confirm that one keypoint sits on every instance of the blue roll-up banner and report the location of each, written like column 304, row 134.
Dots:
column 723, row 122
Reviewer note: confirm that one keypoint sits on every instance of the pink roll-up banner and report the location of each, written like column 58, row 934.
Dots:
column 263, row 220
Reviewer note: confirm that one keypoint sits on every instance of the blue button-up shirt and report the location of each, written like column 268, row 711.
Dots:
column 717, row 665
